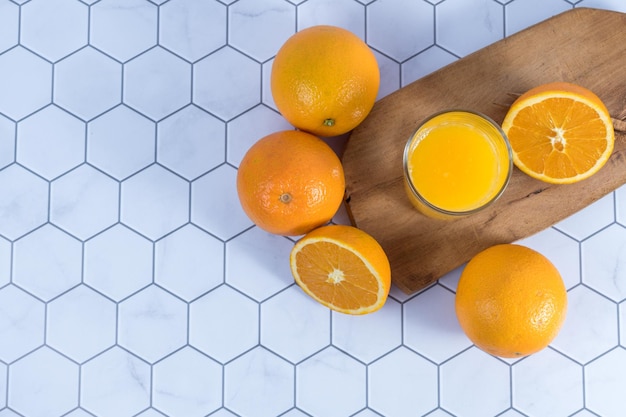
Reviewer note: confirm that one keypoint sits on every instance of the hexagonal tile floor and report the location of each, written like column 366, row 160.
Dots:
column 132, row 283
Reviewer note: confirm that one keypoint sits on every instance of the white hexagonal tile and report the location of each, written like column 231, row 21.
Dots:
column 118, row 262
column 50, row 142
column 47, row 262
column 489, row 392
column 562, row 251
column 87, row 83
column 389, row 75
column 304, row 325
column 346, row 14
column 22, row 324
column 157, row 83
column 26, row 82
column 151, row 412
column 464, row 26
column 441, row 413
column 246, row 387
column 192, row 29
column 115, row 383
column 614, row 5
column 23, row 201
column 424, row 63
column 223, row 339
column 605, row 381
column 412, row 24
column 520, row 14
column 79, row 412
column 54, row 28
column 155, row 202
column 365, row 413
column 226, row 83
column 620, row 205
column 431, row 326
column 334, row 376
column 622, row 324
column 191, row 142
column 46, row 376
column 369, row 336
column 189, row 262
column 547, row 384
column 221, row 216
column 6, row 412
column 603, row 262
column 123, row 28
column 81, row 323
column 412, row 379
column 222, row 412
column 152, row 323
column 84, row 202
column 7, row 141
column 246, row 129
column 590, row 327
column 3, row 385
column 5, row 261
column 260, row 27
column 9, row 25
column 121, row 142
column 257, row 263
column 187, row 383
column 589, row 220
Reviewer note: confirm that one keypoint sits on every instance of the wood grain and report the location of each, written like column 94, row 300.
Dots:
column 584, row 46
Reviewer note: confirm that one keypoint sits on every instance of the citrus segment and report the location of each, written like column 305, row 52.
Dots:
column 510, row 301
column 325, row 80
column 343, row 268
column 559, row 132
column 290, row 182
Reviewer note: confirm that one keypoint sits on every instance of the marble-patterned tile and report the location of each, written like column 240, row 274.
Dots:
column 547, row 383
column 589, row 220
column 87, row 83
column 47, row 262
column 26, row 82
column 431, row 326
column 50, row 142
column 603, row 267
column 47, row 376
column 23, row 201
column 187, row 383
column 22, row 323
column 84, row 202
column 222, row 339
column 123, row 28
column 334, row 376
column 192, row 29
column 223, row 216
column 81, row 323
column 305, row 325
column 152, row 323
column 489, row 392
column 257, row 263
column 370, row 336
column 259, row 383
column 155, row 202
column 521, row 14
column 267, row 23
column 189, row 262
column 412, row 22
column 157, row 83
column 118, row 262
column 191, row 142
column 226, row 83
column 115, row 383
column 413, row 380
column 346, row 14
column 605, row 377
column 54, row 28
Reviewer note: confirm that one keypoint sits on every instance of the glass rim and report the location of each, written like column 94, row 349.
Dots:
column 440, row 210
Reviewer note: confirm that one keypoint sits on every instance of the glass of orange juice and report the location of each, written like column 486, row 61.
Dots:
column 456, row 163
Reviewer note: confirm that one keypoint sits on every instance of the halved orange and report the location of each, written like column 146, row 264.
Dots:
column 559, row 132
column 343, row 268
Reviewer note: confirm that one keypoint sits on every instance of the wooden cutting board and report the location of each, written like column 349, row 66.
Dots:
column 584, row 46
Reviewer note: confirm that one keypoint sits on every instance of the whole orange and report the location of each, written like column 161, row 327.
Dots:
column 325, row 80
column 290, row 182
column 510, row 300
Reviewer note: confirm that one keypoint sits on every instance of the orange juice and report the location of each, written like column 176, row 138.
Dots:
column 456, row 163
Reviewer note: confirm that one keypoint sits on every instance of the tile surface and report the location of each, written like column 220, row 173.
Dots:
column 132, row 283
